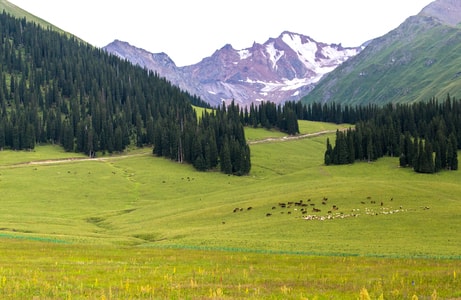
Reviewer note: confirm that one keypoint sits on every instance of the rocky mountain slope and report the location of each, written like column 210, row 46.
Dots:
column 281, row 69
column 417, row 61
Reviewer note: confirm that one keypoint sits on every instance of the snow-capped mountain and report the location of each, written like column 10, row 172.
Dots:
column 281, row 69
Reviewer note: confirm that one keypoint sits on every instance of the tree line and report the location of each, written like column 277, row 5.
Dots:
column 217, row 140
column 425, row 136
column 270, row 115
column 56, row 89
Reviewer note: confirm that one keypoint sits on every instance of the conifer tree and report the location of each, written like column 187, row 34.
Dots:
column 328, row 153
column 225, row 161
column 438, row 158
column 452, row 153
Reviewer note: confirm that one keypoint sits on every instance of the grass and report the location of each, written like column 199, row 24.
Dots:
column 42, row 153
column 18, row 12
column 257, row 134
column 119, row 226
column 57, row 271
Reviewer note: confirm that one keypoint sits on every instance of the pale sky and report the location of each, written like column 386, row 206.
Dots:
column 190, row 30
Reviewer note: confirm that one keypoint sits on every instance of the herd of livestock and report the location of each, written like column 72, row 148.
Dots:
column 308, row 210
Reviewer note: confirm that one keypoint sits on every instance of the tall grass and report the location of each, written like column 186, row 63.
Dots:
column 57, row 271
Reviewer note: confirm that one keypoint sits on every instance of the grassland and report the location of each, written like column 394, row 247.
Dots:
column 18, row 12
column 137, row 226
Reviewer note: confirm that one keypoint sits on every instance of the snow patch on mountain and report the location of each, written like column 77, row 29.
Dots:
column 274, row 54
column 244, row 54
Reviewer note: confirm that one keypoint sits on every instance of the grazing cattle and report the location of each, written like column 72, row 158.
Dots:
column 250, row 208
column 316, row 210
column 268, row 214
column 273, row 207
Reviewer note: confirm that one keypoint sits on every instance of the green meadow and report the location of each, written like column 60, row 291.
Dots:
column 136, row 226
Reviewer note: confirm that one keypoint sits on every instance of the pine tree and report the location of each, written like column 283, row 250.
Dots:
column 452, row 153
column 246, row 166
column 429, row 158
column 438, row 158
column 350, row 146
column 225, row 161
column 200, row 163
column 328, row 153
column 341, row 150
column 425, row 161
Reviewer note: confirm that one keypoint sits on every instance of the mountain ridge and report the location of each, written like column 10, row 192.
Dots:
column 281, row 69
column 446, row 11
column 415, row 62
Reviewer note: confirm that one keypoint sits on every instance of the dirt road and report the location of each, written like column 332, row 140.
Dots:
column 291, row 137
column 77, row 159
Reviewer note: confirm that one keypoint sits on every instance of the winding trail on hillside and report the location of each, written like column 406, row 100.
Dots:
column 106, row 158
column 71, row 160
column 290, row 137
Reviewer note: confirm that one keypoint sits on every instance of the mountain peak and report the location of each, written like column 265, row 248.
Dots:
column 227, row 47
column 140, row 56
column 288, row 33
column 283, row 68
column 447, row 11
column 292, row 35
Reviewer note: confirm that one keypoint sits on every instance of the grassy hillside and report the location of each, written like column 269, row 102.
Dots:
column 18, row 12
column 143, row 227
column 415, row 62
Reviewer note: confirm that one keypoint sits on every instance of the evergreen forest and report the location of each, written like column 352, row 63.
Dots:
column 56, row 89
column 424, row 135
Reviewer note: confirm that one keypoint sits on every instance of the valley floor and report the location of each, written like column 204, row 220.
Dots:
column 139, row 226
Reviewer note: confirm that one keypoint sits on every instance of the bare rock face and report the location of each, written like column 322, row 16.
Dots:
column 446, row 11
column 282, row 69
